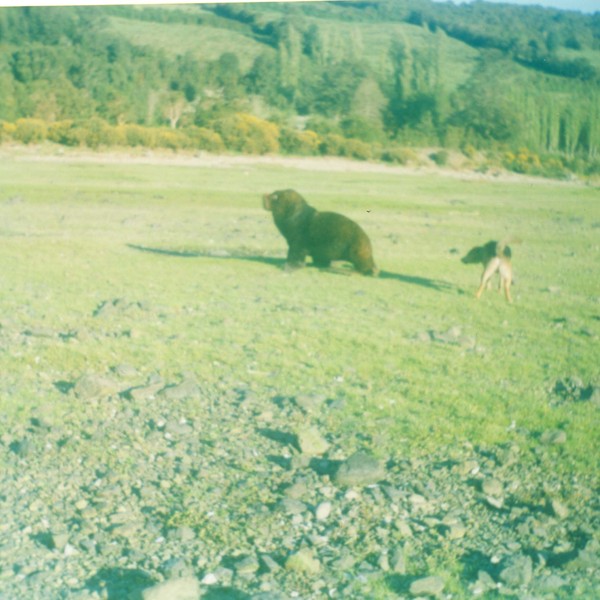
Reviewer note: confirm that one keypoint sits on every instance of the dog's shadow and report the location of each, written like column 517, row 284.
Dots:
column 435, row 284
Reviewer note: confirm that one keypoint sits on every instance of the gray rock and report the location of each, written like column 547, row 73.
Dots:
column 60, row 540
column 559, row 509
column 124, row 370
column 183, row 534
column 456, row 531
column 484, row 584
column 297, row 489
column 553, row 436
column 360, row 469
column 383, row 562
column 181, row 391
column 310, row 403
column 495, row 502
column 270, row 563
column 398, row 561
column 548, row 584
column 517, row 571
column 93, row 387
column 588, row 557
column 492, row 487
column 177, row 568
column 303, row 561
column 311, row 442
column 291, row 506
column 246, row 566
column 427, row 586
column 183, row 588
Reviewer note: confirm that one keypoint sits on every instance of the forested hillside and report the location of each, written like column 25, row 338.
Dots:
column 362, row 79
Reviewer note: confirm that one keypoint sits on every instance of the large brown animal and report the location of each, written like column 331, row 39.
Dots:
column 494, row 256
column 325, row 236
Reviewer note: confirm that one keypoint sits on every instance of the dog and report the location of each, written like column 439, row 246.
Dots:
column 494, row 256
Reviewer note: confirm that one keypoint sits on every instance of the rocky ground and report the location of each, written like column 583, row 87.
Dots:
column 179, row 489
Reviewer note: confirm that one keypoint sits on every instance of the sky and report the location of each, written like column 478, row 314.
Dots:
column 587, row 6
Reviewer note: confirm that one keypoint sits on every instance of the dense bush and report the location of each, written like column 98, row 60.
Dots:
column 63, row 132
column 304, row 143
column 30, row 131
column 398, row 155
column 242, row 132
column 440, row 158
column 523, row 161
column 173, row 139
column 202, row 138
column 248, row 134
column 7, row 130
column 95, row 132
column 136, row 135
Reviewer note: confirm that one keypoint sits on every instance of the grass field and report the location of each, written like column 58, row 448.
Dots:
column 412, row 361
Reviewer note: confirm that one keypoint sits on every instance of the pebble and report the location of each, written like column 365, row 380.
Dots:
column 209, row 579
column 427, row 586
column 323, row 511
column 183, row 588
column 495, row 502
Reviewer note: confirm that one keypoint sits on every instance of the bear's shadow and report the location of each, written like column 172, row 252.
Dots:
column 435, row 284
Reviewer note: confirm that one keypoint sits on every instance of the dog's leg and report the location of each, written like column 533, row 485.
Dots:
column 506, row 279
column 490, row 269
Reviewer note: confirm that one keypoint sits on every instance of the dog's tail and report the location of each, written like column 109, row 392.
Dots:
column 503, row 249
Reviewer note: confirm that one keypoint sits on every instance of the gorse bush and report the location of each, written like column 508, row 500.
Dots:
column 30, row 131
column 523, row 161
column 248, row 134
column 203, row 138
column 398, row 155
column 304, row 143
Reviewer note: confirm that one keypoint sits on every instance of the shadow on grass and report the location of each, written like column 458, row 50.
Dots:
column 400, row 584
column 267, row 260
column 119, row 583
column 434, row 284
column 225, row 593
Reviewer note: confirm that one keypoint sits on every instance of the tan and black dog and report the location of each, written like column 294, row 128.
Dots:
column 325, row 236
column 495, row 257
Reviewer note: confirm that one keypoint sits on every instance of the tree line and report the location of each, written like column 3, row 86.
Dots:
column 315, row 80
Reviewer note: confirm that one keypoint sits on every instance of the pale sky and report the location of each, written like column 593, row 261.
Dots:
column 588, row 6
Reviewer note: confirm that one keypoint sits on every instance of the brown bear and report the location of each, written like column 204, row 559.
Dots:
column 325, row 236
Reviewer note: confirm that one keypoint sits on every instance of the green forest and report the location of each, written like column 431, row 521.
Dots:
column 368, row 80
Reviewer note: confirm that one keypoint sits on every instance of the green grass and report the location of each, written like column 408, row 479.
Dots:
column 203, row 42
column 77, row 233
